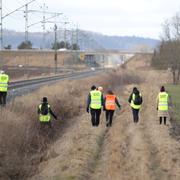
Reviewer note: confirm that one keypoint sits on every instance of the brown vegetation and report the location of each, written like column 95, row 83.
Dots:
column 23, row 142
column 168, row 54
column 126, row 150
column 26, row 64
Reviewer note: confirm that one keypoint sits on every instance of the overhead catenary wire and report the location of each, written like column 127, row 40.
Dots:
column 7, row 13
column 17, row 9
column 42, row 21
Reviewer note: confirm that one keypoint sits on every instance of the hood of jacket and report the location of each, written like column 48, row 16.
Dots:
column 135, row 91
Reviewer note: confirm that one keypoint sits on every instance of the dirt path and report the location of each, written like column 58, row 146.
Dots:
column 126, row 151
column 142, row 151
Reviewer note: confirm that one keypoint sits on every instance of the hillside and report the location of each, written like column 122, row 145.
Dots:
column 86, row 39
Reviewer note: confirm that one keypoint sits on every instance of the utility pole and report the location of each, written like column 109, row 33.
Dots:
column 77, row 41
column 44, row 23
column 77, row 34
column 1, row 25
column 72, row 38
column 44, row 20
column 2, row 17
column 55, row 48
column 65, row 35
column 26, row 23
column 1, row 33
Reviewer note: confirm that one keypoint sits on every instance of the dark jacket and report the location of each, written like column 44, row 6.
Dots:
column 136, row 92
column 89, row 100
column 50, row 111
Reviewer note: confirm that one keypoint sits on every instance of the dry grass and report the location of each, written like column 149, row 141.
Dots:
column 23, row 142
column 36, row 59
column 36, row 63
column 139, row 62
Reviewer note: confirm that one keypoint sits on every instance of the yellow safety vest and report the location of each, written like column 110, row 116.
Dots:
column 163, row 101
column 44, row 118
column 95, row 99
column 134, row 106
column 4, row 79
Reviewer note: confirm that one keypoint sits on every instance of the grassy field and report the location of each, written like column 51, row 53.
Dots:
column 174, row 92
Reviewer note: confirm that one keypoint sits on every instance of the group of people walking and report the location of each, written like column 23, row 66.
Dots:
column 96, row 102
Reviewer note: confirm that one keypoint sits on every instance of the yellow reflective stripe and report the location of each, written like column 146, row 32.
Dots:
column 96, row 102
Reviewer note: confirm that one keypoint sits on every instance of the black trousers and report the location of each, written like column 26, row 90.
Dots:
column 95, row 116
column 160, row 120
column 44, row 124
column 109, row 117
column 3, row 96
column 135, row 115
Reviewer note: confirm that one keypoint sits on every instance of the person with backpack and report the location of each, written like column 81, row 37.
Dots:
column 45, row 112
column 135, row 100
column 94, row 104
column 110, row 102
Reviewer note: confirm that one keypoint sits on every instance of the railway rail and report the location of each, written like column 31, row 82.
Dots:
column 46, row 80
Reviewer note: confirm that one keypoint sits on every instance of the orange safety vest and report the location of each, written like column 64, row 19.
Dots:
column 110, row 102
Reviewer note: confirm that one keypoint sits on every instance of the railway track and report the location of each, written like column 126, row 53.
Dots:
column 46, row 80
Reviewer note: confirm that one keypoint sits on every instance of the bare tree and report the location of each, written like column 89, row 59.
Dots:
column 168, row 54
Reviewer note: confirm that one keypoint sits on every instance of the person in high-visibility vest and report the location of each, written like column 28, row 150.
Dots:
column 162, row 105
column 110, row 102
column 135, row 100
column 45, row 112
column 95, row 103
column 4, row 81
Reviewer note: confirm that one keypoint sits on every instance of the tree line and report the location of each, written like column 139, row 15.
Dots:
column 167, row 55
column 57, row 45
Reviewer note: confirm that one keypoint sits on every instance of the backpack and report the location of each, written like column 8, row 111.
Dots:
column 138, row 99
column 44, row 109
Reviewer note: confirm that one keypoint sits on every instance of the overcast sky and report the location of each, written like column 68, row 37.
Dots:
column 111, row 17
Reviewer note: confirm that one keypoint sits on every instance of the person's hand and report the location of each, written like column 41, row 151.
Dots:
column 87, row 109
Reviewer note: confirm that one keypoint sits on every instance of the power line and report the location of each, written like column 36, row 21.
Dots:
column 19, row 2
column 44, row 7
column 1, row 25
column 44, row 20
column 26, row 23
column 38, row 3
column 18, row 8
column 8, row 14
